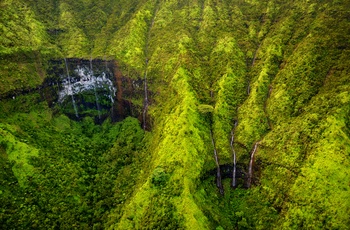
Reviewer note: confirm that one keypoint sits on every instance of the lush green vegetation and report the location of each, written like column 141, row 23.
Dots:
column 272, row 73
column 67, row 171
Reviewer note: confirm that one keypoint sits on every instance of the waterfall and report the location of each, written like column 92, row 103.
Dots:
column 218, row 172
column 234, row 183
column 145, row 107
column 255, row 55
column 250, row 170
column 96, row 97
column 70, row 88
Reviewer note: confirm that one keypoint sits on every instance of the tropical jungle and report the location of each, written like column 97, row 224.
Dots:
column 174, row 114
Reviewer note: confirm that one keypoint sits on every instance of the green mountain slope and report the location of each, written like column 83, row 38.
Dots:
column 263, row 82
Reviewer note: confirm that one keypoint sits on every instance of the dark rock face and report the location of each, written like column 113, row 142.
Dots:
column 226, row 172
column 87, row 88
column 128, row 90
column 94, row 88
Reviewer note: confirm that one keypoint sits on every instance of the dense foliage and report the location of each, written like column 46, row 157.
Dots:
column 66, row 170
column 267, row 74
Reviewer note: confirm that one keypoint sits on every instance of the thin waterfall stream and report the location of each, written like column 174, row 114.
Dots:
column 234, row 182
column 251, row 163
column 218, row 172
column 145, row 105
column 146, row 102
column 70, row 88
column 255, row 55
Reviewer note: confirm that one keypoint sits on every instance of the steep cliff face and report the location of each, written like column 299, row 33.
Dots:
column 264, row 83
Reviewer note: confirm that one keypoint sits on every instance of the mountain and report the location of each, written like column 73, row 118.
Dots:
column 188, row 114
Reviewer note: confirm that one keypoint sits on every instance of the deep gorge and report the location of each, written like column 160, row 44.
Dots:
column 191, row 114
